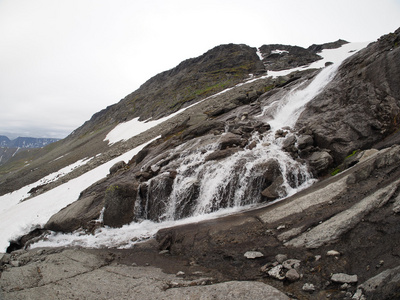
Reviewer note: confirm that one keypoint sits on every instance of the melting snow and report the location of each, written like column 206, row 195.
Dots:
column 335, row 56
column 279, row 51
column 18, row 218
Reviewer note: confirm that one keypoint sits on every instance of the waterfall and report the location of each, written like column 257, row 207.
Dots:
column 201, row 186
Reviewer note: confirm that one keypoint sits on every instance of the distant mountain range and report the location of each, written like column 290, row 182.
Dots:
column 25, row 142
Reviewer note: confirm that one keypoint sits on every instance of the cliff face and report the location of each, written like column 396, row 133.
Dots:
column 360, row 107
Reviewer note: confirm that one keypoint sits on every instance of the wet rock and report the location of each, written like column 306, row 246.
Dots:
column 272, row 171
column 221, row 154
column 152, row 196
column 119, row 203
column 288, row 143
column 253, row 254
column 280, row 133
column 275, row 190
column 230, row 140
column 344, row 278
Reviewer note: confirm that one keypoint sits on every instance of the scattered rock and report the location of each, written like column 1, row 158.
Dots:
column 277, row 272
column 291, row 264
column 292, row 275
column 333, row 253
column 281, row 227
column 308, row 287
column 253, row 254
column 280, row 258
column 344, row 278
column 344, row 286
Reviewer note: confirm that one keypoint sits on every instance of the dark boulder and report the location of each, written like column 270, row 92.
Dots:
column 119, row 204
column 320, row 161
column 275, row 190
column 221, row 154
column 76, row 215
column 119, row 165
column 230, row 140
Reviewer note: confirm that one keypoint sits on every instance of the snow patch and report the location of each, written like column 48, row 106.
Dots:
column 335, row 56
column 18, row 218
column 277, row 51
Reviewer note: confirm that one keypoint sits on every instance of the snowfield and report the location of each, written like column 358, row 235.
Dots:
column 19, row 217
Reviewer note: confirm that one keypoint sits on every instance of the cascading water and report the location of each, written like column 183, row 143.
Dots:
column 202, row 186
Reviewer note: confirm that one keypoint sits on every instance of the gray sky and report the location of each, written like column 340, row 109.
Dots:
column 63, row 60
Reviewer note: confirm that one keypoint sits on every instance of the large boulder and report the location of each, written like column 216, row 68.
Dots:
column 320, row 161
column 76, row 215
column 119, row 204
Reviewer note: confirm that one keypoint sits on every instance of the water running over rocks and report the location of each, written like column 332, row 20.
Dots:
column 258, row 171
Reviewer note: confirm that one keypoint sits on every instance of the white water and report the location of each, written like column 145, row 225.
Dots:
column 213, row 178
column 288, row 109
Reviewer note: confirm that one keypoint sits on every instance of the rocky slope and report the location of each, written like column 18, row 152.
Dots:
column 287, row 245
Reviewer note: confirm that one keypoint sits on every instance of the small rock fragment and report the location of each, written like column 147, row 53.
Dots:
column 292, row 275
column 344, row 286
column 180, row 273
column 291, row 264
column 308, row 287
column 280, row 258
column 333, row 253
column 265, row 267
column 276, row 272
column 253, row 254
column 15, row 263
column 317, row 257
column 163, row 252
column 344, row 278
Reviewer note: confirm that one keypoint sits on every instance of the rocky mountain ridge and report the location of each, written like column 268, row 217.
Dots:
column 336, row 239
column 192, row 80
column 25, row 142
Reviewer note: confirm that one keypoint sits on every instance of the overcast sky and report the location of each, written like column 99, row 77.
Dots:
column 63, row 60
